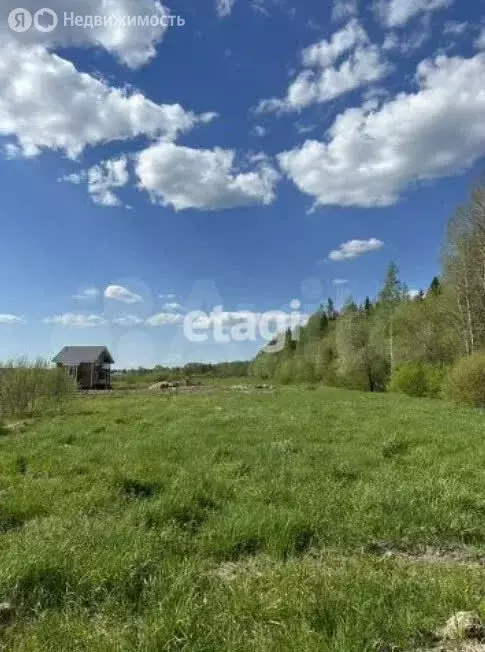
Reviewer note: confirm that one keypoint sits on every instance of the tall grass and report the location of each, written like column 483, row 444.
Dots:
column 27, row 388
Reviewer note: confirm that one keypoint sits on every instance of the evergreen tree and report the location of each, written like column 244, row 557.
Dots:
column 435, row 287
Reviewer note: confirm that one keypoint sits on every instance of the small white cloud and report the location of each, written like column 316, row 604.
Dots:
column 11, row 319
column 127, row 320
column 324, row 77
column 120, row 293
column 203, row 179
column 86, row 294
column 165, row 319
column 324, row 53
column 354, row 248
column 396, row 13
column 76, row 320
column 106, row 176
column 224, row 7
column 454, row 27
column 412, row 294
column 259, row 131
column 172, row 307
column 101, row 179
column 340, row 281
column 409, row 41
column 169, row 296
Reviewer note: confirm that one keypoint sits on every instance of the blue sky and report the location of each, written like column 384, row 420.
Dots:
column 255, row 154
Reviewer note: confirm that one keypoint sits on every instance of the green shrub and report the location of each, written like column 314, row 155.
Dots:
column 418, row 379
column 29, row 388
column 465, row 384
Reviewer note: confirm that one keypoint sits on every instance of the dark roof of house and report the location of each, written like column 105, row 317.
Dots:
column 72, row 355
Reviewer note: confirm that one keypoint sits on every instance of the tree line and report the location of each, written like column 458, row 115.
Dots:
column 397, row 335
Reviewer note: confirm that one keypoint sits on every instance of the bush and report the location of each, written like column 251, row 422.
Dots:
column 465, row 384
column 418, row 379
column 28, row 388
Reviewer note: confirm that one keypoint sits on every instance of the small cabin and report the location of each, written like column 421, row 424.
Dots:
column 89, row 365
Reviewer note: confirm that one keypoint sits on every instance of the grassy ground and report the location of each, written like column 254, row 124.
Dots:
column 293, row 520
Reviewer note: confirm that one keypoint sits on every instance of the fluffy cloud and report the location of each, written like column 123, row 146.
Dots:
column 354, row 249
column 119, row 293
column 204, row 179
column 326, row 52
column 76, row 320
column 102, row 178
column 165, row 319
column 396, row 13
column 372, row 155
column 47, row 104
column 224, row 7
column 340, row 281
column 133, row 46
column 86, row 294
column 173, row 306
column 11, row 319
column 321, row 81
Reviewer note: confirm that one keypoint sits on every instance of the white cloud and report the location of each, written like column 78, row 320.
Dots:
column 47, row 104
column 11, row 319
column 132, row 45
column 340, row 281
column 343, row 9
column 76, row 320
column 224, row 7
column 321, row 81
column 86, row 294
column 407, row 41
column 205, row 179
column 454, row 27
column 102, row 178
column 168, row 297
column 480, row 41
column 120, row 293
column 172, row 307
column 396, row 13
column 127, row 320
column 260, row 131
column 165, row 319
column 354, row 248
column 324, row 53
column 371, row 156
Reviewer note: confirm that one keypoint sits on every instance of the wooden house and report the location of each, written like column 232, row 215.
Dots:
column 89, row 365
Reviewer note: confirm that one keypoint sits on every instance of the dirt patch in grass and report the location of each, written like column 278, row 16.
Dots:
column 426, row 554
column 229, row 571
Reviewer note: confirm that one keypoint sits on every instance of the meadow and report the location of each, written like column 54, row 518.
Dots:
column 300, row 519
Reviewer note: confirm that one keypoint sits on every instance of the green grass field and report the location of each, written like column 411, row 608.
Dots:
column 293, row 520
